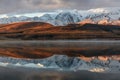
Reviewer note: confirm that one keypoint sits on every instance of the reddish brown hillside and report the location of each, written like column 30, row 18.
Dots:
column 21, row 26
column 44, row 31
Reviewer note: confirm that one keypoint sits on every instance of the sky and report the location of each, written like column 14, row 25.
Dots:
column 8, row 6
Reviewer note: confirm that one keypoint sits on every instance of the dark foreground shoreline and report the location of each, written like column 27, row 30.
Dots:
column 17, row 73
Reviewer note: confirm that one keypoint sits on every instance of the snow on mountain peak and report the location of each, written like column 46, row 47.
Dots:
column 64, row 17
column 4, row 16
column 99, row 10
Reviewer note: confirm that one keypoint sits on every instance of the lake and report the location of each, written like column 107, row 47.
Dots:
column 60, row 60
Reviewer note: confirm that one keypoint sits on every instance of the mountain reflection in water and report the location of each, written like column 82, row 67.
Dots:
column 30, row 51
column 44, row 49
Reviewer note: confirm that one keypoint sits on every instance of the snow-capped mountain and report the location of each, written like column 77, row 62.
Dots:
column 64, row 17
column 63, row 62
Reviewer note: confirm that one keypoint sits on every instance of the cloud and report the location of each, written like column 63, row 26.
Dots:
column 7, row 6
column 43, row 4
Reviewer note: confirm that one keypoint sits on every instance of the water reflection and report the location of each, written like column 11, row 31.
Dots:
column 44, row 49
column 44, row 74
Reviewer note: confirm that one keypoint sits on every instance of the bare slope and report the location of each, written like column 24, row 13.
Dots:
column 45, row 31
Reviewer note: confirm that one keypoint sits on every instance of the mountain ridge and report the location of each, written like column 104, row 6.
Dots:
column 64, row 17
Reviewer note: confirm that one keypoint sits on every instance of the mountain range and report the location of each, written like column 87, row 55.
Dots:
column 95, row 24
column 64, row 17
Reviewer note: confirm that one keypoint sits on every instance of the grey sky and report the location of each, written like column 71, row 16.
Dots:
column 7, row 6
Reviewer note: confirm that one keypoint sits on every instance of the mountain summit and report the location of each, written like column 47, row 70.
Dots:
column 64, row 17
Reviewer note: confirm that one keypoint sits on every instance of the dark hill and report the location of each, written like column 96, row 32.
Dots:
column 46, row 31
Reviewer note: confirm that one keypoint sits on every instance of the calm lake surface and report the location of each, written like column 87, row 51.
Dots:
column 46, row 49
